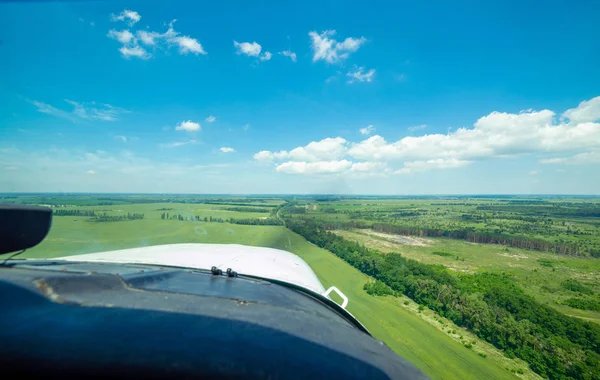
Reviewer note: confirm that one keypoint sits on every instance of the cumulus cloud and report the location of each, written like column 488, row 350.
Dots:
column 358, row 75
column 227, row 149
column 251, row 49
column 367, row 130
column 131, row 42
column 148, row 38
column 265, row 155
column 331, row 51
column 586, row 111
column 187, row 44
column 440, row 163
column 81, row 111
column 189, row 126
column 266, row 56
column 210, row 119
column 320, row 167
column 290, row 54
column 91, row 172
column 128, row 16
column 534, row 172
column 324, row 150
column 494, row 136
column 123, row 36
column 135, row 51
column 368, row 167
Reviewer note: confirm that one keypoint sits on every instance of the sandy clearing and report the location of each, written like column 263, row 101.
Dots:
column 400, row 239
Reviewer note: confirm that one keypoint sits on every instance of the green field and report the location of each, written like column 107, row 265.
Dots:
column 401, row 327
column 542, row 282
column 545, row 249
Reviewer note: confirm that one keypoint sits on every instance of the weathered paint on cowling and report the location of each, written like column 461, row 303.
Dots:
column 268, row 263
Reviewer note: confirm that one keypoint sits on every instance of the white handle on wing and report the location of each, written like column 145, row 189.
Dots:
column 345, row 302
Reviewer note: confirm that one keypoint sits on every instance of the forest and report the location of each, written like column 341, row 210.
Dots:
column 566, row 227
column 492, row 306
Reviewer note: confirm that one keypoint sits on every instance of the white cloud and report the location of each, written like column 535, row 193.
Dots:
column 91, row 111
column 368, row 167
column 331, row 51
column 417, row 127
column 586, row 111
column 578, row 159
column 359, row 75
column 123, row 36
column 440, row 163
column 266, row 56
column 148, row 38
column 188, row 44
column 189, row 126
column 227, row 149
column 122, row 138
column 328, row 149
column 367, row 130
column 81, row 111
column 265, row 155
column 135, row 51
column 320, row 167
column 51, row 110
column 177, row 144
column 251, row 49
column 494, row 136
column 210, row 119
column 132, row 48
column 534, row 172
column 91, row 172
column 128, row 16
column 289, row 54
column 246, row 127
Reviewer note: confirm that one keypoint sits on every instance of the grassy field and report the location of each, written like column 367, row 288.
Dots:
column 564, row 232
column 414, row 335
column 540, row 274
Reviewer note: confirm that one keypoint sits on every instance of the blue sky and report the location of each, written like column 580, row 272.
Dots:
column 300, row 97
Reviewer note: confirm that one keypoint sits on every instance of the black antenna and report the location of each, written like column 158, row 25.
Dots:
column 11, row 257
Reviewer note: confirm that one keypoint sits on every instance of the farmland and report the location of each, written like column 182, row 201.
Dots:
column 549, row 248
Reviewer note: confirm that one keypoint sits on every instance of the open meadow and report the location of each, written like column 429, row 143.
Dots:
column 421, row 332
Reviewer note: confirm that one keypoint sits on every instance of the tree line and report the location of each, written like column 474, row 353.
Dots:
column 248, row 209
column 116, row 218
column 210, row 219
column 74, row 213
column 492, row 306
column 468, row 234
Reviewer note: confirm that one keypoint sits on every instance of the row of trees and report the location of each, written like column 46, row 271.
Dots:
column 116, row 218
column 248, row 209
column 583, row 303
column 210, row 219
column 491, row 306
column 582, row 210
column 258, row 222
column 468, row 234
column 74, row 212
